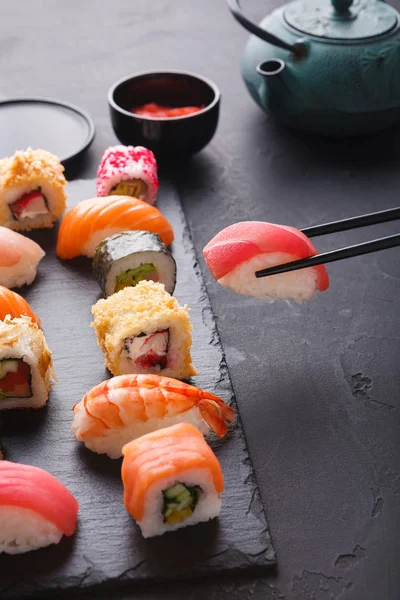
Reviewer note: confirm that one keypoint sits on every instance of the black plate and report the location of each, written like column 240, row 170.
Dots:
column 60, row 128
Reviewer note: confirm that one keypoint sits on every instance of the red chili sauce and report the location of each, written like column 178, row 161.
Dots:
column 155, row 110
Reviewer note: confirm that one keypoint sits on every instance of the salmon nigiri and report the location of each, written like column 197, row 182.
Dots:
column 15, row 305
column 125, row 407
column 19, row 258
column 171, row 479
column 91, row 221
column 238, row 251
column 36, row 509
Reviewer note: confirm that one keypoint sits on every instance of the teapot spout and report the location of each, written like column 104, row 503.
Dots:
column 278, row 92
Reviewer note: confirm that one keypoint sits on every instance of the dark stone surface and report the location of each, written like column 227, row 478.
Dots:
column 314, row 383
column 108, row 547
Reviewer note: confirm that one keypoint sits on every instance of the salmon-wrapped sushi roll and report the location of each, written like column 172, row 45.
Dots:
column 171, row 479
column 32, row 193
column 143, row 329
column 91, row 221
column 36, row 509
column 26, row 366
column 14, row 305
column 124, row 408
column 128, row 171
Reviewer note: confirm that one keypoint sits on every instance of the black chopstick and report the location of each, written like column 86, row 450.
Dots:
column 383, row 216
column 365, row 248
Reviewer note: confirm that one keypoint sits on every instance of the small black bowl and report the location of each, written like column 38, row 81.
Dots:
column 173, row 137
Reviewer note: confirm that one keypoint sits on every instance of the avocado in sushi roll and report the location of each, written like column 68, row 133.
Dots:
column 126, row 258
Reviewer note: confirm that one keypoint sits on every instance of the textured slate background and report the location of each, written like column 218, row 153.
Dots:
column 312, row 382
column 108, row 547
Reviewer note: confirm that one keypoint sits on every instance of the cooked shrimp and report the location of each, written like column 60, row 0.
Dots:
column 125, row 407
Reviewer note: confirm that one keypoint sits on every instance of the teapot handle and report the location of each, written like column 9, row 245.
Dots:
column 237, row 12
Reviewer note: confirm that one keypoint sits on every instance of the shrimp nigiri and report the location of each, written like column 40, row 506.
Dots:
column 19, row 258
column 15, row 305
column 126, row 407
column 238, row 251
column 91, row 221
column 36, row 509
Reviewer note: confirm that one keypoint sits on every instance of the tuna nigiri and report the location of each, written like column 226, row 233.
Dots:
column 238, row 251
column 15, row 305
column 171, row 479
column 125, row 407
column 92, row 221
column 36, row 509
column 19, row 258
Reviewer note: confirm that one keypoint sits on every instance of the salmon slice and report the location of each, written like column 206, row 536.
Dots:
column 15, row 305
column 98, row 218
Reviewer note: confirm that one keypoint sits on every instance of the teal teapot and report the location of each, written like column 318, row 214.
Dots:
column 332, row 69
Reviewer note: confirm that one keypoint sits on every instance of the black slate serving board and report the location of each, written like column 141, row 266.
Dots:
column 108, row 548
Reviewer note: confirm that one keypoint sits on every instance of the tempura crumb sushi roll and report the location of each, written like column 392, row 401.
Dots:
column 32, row 192
column 26, row 366
column 126, row 258
column 171, row 479
column 128, row 171
column 143, row 329
column 36, row 509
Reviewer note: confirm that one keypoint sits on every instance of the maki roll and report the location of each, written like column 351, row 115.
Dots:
column 171, row 479
column 143, row 329
column 19, row 258
column 238, row 251
column 26, row 367
column 124, row 408
column 32, row 192
column 126, row 258
column 36, row 509
column 92, row 221
column 128, row 171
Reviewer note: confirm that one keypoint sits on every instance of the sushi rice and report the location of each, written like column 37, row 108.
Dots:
column 22, row 530
column 297, row 285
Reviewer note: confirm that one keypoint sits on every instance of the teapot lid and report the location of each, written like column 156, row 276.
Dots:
column 343, row 20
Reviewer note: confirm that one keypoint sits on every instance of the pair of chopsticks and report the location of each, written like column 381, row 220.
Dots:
column 382, row 216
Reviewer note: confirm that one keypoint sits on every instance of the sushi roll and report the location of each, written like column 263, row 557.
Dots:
column 128, row 171
column 124, row 408
column 92, row 221
column 171, row 479
column 14, row 305
column 126, row 258
column 32, row 192
column 36, row 509
column 26, row 366
column 237, row 252
column 143, row 329
column 19, row 258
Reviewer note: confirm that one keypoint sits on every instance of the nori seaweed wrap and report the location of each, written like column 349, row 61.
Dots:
column 126, row 258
